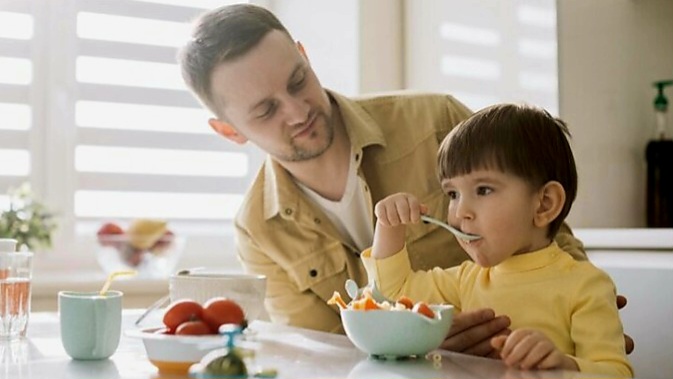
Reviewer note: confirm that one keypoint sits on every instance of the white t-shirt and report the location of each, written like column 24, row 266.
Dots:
column 352, row 215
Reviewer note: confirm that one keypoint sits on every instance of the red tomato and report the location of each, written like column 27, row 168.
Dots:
column 193, row 328
column 219, row 311
column 181, row 311
column 423, row 309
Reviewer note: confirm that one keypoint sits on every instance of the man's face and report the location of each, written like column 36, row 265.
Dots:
column 272, row 97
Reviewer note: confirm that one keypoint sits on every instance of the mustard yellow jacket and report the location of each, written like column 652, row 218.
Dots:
column 281, row 234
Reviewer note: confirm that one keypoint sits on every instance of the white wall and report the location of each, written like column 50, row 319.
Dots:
column 367, row 56
column 610, row 52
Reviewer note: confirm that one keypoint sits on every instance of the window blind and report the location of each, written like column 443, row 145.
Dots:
column 94, row 113
column 484, row 52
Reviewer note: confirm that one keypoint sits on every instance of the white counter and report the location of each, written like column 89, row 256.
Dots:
column 296, row 353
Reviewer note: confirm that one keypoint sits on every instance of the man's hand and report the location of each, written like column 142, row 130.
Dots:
column 471, row 332
column 629, row 345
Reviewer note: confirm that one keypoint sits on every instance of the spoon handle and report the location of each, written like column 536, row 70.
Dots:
column 157, row 304
column 456, row 232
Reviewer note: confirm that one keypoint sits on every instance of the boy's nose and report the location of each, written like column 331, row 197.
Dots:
column 463, row 210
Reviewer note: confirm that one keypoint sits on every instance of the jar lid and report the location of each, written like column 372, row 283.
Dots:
column 7, row 245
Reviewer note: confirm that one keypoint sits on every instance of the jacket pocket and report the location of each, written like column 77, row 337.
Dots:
column 318, row 265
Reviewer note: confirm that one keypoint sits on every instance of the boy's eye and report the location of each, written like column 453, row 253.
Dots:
column 482, row 191
column 453, row 195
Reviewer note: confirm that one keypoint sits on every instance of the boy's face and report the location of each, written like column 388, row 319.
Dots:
column 500, row 208
column 272, row 97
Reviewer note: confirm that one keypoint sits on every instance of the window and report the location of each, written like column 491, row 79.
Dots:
column 484, row 52
column 94, row 113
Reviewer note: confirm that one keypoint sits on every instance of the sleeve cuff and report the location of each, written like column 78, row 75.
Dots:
column 388, row 273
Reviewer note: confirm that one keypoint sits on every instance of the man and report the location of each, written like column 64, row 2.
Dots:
column 308, row 213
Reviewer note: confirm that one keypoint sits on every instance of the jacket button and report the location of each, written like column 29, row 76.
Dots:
column 288, row 211
column 316, row 220
column 313, row 273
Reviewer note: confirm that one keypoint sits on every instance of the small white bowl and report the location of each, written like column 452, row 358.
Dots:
column 245, row 289
column 173, row 354
column 391, row 334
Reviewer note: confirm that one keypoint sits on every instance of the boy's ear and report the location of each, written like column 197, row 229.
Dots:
column 227, row 131
column 551, row 199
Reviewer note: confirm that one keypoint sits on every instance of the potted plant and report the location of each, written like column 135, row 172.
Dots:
column 27, row 220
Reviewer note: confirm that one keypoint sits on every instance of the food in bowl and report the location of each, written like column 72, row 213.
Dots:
column 402, row 329
column 246, row 290
column 188, row 317
column 146, row 246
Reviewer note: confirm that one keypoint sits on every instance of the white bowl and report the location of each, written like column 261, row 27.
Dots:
column 245, row 289
column 392, row 334
column 173, row 354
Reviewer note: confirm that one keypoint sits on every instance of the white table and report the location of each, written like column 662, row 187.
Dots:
column 296, row 353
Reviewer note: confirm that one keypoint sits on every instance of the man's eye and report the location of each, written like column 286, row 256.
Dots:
column 482, row 191
column 298, row 84
column 268, row 111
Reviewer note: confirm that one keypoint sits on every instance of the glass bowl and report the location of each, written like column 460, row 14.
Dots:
column 122, row 252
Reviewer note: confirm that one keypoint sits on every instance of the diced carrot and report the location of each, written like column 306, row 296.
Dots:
column 406, row 302
column 423, row 309
column 369, row 303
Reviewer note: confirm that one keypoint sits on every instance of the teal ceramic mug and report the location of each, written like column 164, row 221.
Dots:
column 90, row 323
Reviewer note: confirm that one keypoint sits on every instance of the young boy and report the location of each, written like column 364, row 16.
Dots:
column 510, row 176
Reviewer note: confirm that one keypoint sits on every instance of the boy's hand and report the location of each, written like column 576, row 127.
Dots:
column 399, row 209
column 393, row 213
column 528, row 349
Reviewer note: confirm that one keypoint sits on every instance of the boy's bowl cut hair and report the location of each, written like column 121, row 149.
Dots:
column 518, row 139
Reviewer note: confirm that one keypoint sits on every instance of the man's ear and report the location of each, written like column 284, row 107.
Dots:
column 551, row 199
column 302, row 51
column 227, row 131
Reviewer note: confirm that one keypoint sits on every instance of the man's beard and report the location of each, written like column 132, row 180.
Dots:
column 299, row 154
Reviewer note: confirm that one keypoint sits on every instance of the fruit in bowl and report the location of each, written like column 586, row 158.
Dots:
column 147, row 246
column 390, row 330
column 247, row 290
column 189, row 332
column 188, row 317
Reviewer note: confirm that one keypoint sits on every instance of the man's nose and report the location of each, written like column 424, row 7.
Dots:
column 296, row 110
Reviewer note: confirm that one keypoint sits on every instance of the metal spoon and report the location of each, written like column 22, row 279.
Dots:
column 456, row 232
column 163, row 300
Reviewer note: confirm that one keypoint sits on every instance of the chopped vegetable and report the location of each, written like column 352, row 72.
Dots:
column 336, row 299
